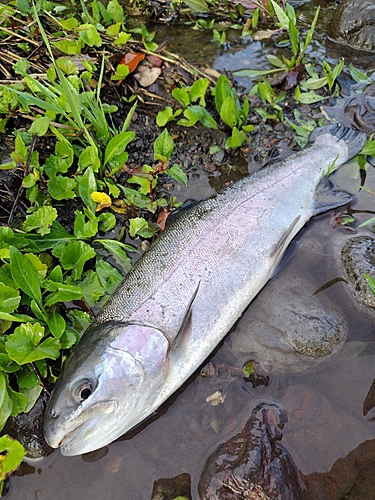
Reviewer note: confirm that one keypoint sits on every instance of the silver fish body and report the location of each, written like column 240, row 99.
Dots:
column 185, row 293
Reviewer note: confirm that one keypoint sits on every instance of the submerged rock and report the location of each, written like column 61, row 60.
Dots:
column 253, row 464
column 354, row 24
column 28, row 429
column 358, row 256
column 288, row 328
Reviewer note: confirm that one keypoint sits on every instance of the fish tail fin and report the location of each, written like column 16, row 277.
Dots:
column 354, row 139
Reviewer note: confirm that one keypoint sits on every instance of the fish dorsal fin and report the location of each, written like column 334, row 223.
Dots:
column 326, row 198
column 185, row 328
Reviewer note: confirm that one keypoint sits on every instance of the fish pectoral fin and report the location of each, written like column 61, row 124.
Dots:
column 186, row 325
column 278, row 249
column 326, row 198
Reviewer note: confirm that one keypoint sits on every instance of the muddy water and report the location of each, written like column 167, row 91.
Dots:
column 324, row 404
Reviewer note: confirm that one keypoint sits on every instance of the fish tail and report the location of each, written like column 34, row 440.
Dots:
column 354, row 139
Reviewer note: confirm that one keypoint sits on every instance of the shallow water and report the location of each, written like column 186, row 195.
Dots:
column 324, row 405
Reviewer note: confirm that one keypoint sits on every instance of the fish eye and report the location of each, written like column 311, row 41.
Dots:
column 83, row 391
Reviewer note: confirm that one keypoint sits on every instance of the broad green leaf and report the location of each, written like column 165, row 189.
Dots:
column 236, row 139
column 310, row 97
column 136, row 226
column 107, row 221
column 229, row 112
column 25, row 276
column 358, row 75
column 69, row 338
column 69, row 24
column 67, row 66
column 197, row 5
column 61, row 292
column 74, row 257
column 314, row 83
column 89, row 34
column 165, row 116
column 25, row 345
column 177, row 173
column 122, row 38
column 117, row 145
column 369, row 149
column 61, row 188
column 41, row 220
column 9, row 298
column 13, row 453
column 40, row 126
column 198, row 90
column 275, row 61
column 182, row 96
column 222, row 91
column 108, row 275
column 38, row 243
column 39, row 266
column 190, row 119
column 116, row 249
column 253, row 73
column 83, row 229
column 92, row 288
column 56, row 323
column 282, row 17
column 144, row 183
column 5, row 401
column 55, row 164
column 163, row 146
column 20, row 318
column 70, row 47
column 203, row 116
column 116, row 12
column 87, row 185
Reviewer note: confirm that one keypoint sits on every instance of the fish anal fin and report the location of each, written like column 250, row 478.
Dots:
column 186, row 324
column 326, row 198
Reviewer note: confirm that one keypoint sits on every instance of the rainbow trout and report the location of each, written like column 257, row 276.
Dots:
column 186, row 292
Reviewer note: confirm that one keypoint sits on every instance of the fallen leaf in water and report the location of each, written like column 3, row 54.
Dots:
column 131, row 60
column 248, row 4
column 147, row 75
column 263, row 34
column 162, row 219
column 294, row 76
column 215, row 399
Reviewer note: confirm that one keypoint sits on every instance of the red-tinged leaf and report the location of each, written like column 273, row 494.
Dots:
column 155, row 61
column 294, row 76
column 162, row 219
column 131, row 60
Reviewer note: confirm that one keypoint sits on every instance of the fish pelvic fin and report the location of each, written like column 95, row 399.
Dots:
column 186, row 325
column 353, row 139
column 278, row 249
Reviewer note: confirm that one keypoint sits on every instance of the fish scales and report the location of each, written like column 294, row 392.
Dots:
column 185, row 293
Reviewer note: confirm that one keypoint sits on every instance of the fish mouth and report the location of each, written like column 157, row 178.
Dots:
column 80, row 439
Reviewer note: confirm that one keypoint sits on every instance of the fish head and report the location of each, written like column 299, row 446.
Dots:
column 106, row 387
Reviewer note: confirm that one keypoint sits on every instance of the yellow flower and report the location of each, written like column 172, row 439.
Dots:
column 102, row 200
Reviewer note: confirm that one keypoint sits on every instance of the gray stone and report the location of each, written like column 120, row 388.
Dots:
column 288, row 328
column 358, row 256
